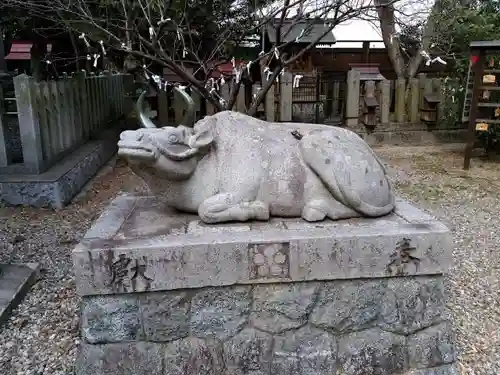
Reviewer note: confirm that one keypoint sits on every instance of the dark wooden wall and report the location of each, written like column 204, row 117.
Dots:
column 337, row 60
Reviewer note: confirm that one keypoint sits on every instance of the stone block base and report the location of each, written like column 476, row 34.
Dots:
column 56, row 187
column 165, row 294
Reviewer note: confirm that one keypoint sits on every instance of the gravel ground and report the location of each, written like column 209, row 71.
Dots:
column 42, row 335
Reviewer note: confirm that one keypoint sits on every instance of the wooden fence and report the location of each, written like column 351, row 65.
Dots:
column 56, row 117
column 393, row 101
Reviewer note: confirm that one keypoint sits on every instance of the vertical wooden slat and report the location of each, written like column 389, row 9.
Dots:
column 286, row 96
column 400, row 107
column 40, row 92
column 57, row 119
column 79, row 107
column 29, row 126
column 103, row 118
column 88, row 101
column 240, row 100
column 414, row 101
column 336, row 99
column 179, row 107
column 385, row 101
column 269, row 104
column 94, row 108
column 4, row 156
column 478, row 70
column 163, row 107
column 352, row 100
column 68, row 125
column 437, row 84
column 422, row 79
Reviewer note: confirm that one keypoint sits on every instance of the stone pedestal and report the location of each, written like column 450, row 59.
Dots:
column 166, row 294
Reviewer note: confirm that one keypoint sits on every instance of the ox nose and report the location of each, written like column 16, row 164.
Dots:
column 131, row 135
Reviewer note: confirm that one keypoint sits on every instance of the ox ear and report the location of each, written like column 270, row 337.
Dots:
column 203, row 133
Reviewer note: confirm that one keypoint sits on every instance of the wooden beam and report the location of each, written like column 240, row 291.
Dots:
column 478, row 69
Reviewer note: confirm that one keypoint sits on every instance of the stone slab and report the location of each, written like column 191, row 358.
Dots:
column 385, row 326
column 137, row 246
column 57, row 186
column 15, row 281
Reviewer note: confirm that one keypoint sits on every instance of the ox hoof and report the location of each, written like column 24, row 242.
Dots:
column 313, row 214
column 260, row 210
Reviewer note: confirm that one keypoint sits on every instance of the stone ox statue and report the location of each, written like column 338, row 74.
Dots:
column 233, row 167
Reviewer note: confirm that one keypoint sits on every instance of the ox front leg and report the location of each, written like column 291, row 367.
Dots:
column 228, row 207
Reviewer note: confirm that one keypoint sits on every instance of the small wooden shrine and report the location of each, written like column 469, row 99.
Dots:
column 482, row 98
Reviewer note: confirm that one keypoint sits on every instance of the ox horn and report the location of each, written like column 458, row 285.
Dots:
column 188, row 119
column 143, row 118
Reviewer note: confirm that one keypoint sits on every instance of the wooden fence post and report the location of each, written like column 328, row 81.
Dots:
column 29, row 126
column 414, row 101
column 269, row 104
column 400, row 105
column 240, row 100
column 437, row 85
column 352, row 102
column 422, row 79
column 385, row 101
column 162, row 107
column 286, row 89
column 4, row 156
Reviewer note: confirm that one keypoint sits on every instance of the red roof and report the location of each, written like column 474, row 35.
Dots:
column 22, row 51
column 226, row 68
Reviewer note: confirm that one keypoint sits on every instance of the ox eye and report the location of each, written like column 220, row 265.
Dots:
column 172, row 138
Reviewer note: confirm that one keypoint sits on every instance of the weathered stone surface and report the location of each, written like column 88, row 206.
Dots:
column 372, row 352
column 431, row 347
column 349, row 305
column 441, row 370
column 361, row 248
column 233, row 167
column 307, row 351
column 110, row 319
column 15, row 282
column 280, row 307
column 165, row 316
column 411, row 304
column 57, row 186
column 138, row 358
column 249, row 353
column 193, row 356
column 220, row 313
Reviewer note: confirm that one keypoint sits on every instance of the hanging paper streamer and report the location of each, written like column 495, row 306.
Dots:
column 439, row 60
column 276, row 53
column 82, row 36
column 184, row 53
column 268, row 73
column 233, row 62
column 163, row 20
column 222, row 81
column 151, row 32
column 157, row 80
column 238, row 76
column 145, row 72
column 427, row 58
column 296, row 80
column 102, row 48
column 96, row 57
